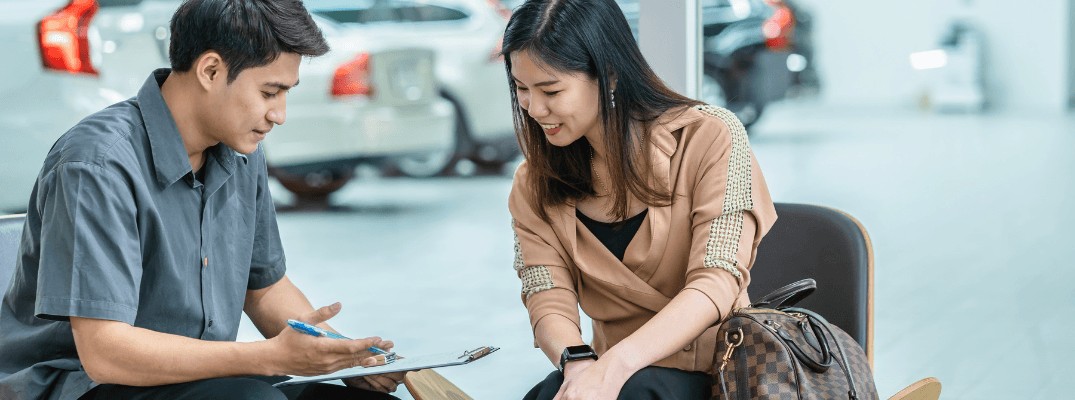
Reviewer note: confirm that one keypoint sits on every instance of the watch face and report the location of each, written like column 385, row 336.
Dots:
column 581, row 350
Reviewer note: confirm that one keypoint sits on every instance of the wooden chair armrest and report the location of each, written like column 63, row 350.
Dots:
column 427, row 384
column 925, row 389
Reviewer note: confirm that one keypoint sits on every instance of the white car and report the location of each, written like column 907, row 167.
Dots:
column 90, row 54
column 466, row 35
column 366, row 101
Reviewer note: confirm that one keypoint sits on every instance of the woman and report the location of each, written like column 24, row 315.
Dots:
column 643, row 206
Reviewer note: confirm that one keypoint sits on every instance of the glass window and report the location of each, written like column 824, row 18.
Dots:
column 118, row 3
column 378, row 11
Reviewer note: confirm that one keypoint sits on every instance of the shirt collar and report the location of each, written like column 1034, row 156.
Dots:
column 671, row 121
column 170, row 160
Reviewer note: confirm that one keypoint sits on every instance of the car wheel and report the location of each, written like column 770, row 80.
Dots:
column 490, row 158
column 313, row 184
column 441, row 162
column 427, row 165
column 748, row 113
column 712, row 93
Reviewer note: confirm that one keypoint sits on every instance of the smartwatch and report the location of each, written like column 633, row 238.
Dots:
column 574, row 353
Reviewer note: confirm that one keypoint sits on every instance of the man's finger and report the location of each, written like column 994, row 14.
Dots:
column 374, row 361
column 361, row 347
column 376, row 384
column 385, row 344
column 388, row 383
column 322, row 314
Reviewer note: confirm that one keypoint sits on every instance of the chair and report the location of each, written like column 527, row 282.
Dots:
column 834, row 249
column 10, row 233
column 925, row 389
column 427, row 384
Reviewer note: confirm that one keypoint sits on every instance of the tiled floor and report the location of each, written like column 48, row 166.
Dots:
column 973, row 246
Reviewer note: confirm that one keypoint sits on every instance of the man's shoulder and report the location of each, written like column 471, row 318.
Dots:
column 100, row 138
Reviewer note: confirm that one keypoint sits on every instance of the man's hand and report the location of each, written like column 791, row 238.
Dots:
column 296, row 353
column 386, row 383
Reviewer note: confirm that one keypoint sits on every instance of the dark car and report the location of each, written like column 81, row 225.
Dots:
column 754, row 52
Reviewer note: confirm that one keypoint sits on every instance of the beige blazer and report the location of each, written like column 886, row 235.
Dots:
column 706, row 240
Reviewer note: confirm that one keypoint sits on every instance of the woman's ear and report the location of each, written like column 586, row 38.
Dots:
column 209, row 68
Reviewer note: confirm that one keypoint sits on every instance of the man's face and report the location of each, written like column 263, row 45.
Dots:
column 243, row 112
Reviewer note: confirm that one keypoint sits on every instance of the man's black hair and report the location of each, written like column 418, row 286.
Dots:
column 246, row 33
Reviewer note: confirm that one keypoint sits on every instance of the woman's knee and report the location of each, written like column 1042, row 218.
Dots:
column 546, row 389
column 644, row 384
column 665, row 383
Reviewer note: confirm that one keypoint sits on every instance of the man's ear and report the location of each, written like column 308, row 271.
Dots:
column 209, row 68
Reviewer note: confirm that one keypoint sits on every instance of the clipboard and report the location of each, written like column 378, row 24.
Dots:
column 410, row 363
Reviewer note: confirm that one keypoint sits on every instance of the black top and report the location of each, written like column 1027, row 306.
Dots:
column 614, row 235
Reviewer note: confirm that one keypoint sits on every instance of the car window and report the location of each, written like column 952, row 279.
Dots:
column 425, row 12
column 128, row 3
column 118, row 3
column 715, row 3
column 378, row 11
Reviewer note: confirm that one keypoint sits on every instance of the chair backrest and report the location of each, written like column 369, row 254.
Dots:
column 834, row 249
column 10, row 234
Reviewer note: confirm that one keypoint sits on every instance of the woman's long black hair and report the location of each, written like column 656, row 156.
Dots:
column 590, row 37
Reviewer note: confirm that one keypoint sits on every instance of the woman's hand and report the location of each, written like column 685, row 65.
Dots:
column 592, row 380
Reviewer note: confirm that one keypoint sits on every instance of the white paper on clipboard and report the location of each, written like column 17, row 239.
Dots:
column 406, row 364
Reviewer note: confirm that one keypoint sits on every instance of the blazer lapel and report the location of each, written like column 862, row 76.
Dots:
column 663, row 147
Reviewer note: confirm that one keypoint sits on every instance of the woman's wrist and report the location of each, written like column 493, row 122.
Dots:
column 621, row 364
column 574, row 367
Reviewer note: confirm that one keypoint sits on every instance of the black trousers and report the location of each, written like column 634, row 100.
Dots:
column 650, row 383
column 245, row 388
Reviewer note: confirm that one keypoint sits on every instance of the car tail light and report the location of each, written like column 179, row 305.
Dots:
column 64, row 38
column 779, row 28
column 353, row 78
column 500, row 8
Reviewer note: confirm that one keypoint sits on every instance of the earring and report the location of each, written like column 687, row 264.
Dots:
column 613, row 94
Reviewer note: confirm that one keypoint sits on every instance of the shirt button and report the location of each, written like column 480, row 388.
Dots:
column 210, row 323
column 688, row 348
column 205, row 262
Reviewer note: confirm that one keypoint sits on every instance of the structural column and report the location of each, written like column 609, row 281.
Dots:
column 670, row 36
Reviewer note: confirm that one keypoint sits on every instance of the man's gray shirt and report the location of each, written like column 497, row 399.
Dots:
column 119, row 228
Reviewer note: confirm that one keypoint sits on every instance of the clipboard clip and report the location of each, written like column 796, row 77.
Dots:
column 477, row 353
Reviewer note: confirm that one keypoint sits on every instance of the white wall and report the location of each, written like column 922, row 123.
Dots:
column 863, row 48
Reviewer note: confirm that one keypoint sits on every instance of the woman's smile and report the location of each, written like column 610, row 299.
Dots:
column 551, row 129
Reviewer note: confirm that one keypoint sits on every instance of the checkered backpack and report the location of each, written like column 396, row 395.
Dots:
column 771, row 350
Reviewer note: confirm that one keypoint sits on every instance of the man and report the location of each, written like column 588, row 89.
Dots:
column 151, row 229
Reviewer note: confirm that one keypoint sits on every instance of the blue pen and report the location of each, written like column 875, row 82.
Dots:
column 316, row 331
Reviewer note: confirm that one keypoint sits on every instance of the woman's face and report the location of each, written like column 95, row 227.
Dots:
column 565, row 104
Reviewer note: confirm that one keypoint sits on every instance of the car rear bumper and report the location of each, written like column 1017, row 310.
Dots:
column 358, row 130
column 34, row 114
